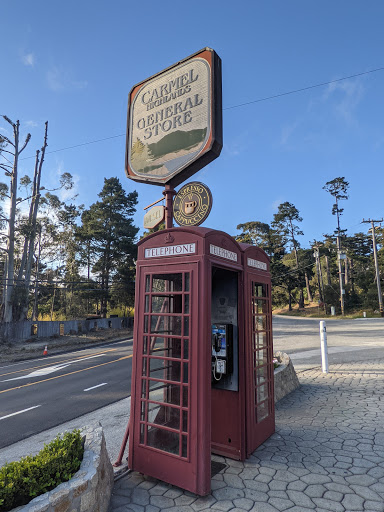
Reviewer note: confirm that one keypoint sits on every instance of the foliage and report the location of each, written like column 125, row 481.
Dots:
column 109, row 239
column 295, row 269
column 57, row 462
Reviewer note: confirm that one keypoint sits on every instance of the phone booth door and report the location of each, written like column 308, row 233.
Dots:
column 261, row 410
column 165, row 409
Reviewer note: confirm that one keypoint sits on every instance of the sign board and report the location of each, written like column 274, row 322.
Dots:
column 170, row 250
column 154, row 216
column 174, row 125
column 223, row 253
column 256, row 264
column 192, row 204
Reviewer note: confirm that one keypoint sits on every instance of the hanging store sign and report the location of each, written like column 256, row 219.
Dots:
column 174, row 125
column 154, row 217
column 192, row 204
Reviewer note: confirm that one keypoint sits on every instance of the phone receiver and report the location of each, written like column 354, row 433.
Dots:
column 216, row 342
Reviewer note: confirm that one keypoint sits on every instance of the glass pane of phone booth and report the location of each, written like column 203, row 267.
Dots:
column 165, row 363
column 262, row 351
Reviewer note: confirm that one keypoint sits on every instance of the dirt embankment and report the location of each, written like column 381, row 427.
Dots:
column 30, row 349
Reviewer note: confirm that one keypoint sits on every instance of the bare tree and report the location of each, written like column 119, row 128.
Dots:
column 10, row 167
column 24, row 275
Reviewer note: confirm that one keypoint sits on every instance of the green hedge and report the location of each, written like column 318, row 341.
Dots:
column 57, row 462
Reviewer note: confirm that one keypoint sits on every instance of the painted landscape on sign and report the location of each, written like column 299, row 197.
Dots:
column 173, row 150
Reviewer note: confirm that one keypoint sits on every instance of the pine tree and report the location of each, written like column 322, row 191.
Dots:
column 109, row 231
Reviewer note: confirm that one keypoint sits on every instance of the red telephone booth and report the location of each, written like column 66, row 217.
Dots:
column 259, row 347
column 198, row 383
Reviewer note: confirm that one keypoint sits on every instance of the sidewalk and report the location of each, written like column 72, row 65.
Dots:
column 327, row 455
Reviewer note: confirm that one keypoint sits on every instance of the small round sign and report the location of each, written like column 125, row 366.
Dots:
column 192, row 204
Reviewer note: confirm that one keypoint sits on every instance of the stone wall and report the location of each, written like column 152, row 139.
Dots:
column 89, row 490
column 286, row 379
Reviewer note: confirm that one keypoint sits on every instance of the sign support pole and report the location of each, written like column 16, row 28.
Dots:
column 169, row 192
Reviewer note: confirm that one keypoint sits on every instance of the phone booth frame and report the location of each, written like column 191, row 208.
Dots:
column 259, row 347
column 177, row 417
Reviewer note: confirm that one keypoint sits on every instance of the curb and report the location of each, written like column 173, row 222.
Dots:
column 89, row 489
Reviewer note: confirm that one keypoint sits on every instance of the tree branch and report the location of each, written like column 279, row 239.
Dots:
column 25, row 143
column 8, row 141
column 26, row 198
column 5, row 166
column 8, row 120
column 6, row 151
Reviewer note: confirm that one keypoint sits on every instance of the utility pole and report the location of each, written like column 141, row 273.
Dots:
column 373, row 231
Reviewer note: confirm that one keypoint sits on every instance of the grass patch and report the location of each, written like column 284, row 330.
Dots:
column 312, row 310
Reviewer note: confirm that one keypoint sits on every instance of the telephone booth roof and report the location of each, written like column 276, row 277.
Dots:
column 198, row 241
column 255, row 258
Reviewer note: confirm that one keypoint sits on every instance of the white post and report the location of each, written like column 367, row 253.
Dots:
column 323, row 345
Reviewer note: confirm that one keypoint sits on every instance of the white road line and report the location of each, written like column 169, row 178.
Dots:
column 94, row 387
column 41, row 372
column 19, row 412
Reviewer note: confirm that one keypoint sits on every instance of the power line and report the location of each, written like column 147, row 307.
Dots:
column 267, row 98
column 78, row 145
column 305, row 88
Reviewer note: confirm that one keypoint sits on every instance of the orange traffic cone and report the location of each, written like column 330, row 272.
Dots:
column 45, row 353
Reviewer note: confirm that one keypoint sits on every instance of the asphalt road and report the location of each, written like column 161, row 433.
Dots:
column 43, row 393
column 347, row 340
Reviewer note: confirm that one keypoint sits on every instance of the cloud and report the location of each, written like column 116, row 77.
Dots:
column 347, row 96
column 287, row 131
column 378, row 144
column 54, row 179
column 59, row 79
column 276, row 203
column 28, row 59
column 31, row 124
column 6, row 131
column 66, row 195
column 236, row 145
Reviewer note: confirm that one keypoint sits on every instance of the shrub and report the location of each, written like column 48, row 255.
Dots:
column 57, row 462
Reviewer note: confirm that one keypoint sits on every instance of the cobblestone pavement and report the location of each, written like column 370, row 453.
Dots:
column 327, row 455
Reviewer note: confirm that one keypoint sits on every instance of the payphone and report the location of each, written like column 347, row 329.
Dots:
column 222, row 350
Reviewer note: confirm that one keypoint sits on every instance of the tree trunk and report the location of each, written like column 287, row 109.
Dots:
column 301, row 296
column 33, row 225
column 11, row 232
column 346, row 271
column 309, row 294
column 321, row 282
column 351, row 276
column 27, row 239
column 53, row 301
column 328, row 272
column 35, row 312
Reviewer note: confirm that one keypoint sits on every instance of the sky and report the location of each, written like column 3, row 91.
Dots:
column 74, row 63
